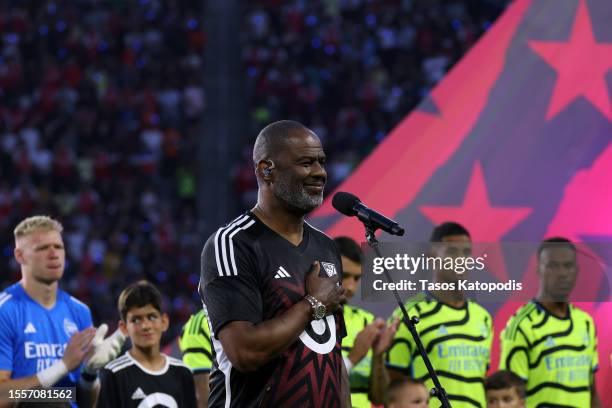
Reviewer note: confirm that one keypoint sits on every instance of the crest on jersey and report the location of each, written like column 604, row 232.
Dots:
column 330, row 268
column 484, row 330
column 586, row 339
column 70, row 327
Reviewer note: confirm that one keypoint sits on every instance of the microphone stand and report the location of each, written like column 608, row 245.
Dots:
column 438, row 391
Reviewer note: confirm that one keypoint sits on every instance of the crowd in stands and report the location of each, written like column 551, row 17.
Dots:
column 101, row 103
column 350, row 69
column 98, row 127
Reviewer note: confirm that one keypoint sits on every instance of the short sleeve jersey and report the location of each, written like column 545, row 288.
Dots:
column 195, row 343
column 32, row 338
column 356, row 319
column 556, row 356
column 251, row 273
column 458, row 343
column 125, row 383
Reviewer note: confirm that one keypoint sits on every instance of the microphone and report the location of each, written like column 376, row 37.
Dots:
column 351, row 206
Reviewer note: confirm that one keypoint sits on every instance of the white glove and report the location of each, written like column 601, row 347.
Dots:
column 104, row 350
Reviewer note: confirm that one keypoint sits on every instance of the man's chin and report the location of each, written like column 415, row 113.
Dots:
column 48, row 280
column 561, row 297
column 310, row 206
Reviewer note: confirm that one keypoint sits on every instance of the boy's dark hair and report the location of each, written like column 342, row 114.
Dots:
column 555, row 242
column 447, row 229
column 505, row 379
column 139, row 294
column 349, row 248
column 396, row 385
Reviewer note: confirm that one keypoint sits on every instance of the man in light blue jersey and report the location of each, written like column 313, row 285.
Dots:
column 45, row 334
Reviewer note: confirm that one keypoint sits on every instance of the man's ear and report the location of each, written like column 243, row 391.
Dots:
column 538, row 270
column 264, row 169
column 18, row 252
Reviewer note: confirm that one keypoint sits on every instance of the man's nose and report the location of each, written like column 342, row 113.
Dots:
column 318, row 170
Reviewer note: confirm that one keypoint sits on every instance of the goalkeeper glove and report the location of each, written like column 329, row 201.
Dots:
column 104, row 350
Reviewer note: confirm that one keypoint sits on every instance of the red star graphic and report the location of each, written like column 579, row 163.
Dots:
column 485, row 222
column 581, row 65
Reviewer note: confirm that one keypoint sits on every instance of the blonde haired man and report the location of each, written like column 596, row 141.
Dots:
column 45, row 334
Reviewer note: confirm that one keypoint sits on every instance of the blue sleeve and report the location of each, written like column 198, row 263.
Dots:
column 87, row 320
column 82, row 315
column 7, row 339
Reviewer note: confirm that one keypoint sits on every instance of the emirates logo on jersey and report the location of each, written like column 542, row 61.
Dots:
column 330, row 268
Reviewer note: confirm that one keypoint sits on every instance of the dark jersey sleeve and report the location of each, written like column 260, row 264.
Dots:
column 189, row 393
column 340, row 315
column 229, row 281
column 341, row 325
column 109, row 393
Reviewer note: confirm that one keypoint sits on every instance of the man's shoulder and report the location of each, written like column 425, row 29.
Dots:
column 196, row 323
column 580, row 313
column 351, row 311
column 12, row 300
column 9, row 297
column 72, row 302
column 231, row 247
column 241, row 227
column 319, row 235
column 522, row 319
column 416, row 304
column 199, row 317
column 476, row 309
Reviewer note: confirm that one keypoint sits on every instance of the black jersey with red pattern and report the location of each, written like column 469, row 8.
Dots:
column 251, row 273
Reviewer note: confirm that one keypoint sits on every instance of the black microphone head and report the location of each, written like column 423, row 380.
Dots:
column 397, row 230
column 345, row 203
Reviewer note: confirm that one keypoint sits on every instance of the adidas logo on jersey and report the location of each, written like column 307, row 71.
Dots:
column 30, row 329
column 281, row 273
column 442, row 330
column 139, row 394
column 550, row 342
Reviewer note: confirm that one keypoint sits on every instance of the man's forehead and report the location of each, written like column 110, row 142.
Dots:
column 41, row 237
column 303, row 143
column 557, row 253
column 464, row 239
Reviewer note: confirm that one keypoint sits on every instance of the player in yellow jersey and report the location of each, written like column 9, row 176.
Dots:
column 550, row 343
column 366, row 338
column 456, row 332
column 196, row 347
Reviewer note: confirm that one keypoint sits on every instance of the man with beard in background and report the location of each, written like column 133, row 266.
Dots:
column 270, row 285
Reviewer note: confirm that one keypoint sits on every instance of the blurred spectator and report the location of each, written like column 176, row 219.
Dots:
column 100, row 102
column 350, row 69
column 408, row 393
